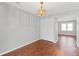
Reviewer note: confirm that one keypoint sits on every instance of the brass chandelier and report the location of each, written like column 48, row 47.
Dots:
column 42, row 11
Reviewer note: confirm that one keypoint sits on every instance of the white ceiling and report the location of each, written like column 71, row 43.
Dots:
column 52, row 8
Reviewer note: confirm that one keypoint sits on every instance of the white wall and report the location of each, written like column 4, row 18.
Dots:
column 48, row 29
column 77, row 30
column 3, row 27
column 17, row 27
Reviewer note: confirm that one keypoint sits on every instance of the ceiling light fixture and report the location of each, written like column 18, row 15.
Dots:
column 42, row 11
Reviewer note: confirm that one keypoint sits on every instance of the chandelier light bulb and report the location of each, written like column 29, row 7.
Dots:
column 41, row 11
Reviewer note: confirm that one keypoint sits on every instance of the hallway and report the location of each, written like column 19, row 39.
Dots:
column 68, row 45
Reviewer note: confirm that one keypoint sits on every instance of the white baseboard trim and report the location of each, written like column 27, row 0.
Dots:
column 16, row 48
column 55, row 41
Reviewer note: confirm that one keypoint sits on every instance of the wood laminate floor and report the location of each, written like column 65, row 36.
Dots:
column 65, row 46
column 38, row 48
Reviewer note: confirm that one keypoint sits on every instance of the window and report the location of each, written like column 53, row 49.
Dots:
column 70, row 26
column 66, row 26
column 63, row 27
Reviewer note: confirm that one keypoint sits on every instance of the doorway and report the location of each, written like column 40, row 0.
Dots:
column 67, row 37
column 67, row 28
